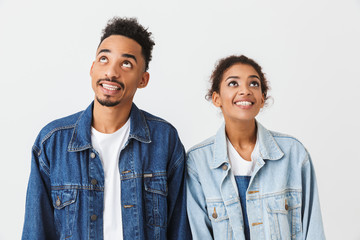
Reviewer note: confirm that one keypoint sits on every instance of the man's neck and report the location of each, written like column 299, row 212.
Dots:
column 110, row 119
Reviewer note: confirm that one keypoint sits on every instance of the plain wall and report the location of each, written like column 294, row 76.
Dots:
column 309, row 51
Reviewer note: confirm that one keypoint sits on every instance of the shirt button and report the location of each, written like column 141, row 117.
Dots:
column 224, row 167
column 92, row 155
column 58, row 202
column 94, row 181
column 93, row 217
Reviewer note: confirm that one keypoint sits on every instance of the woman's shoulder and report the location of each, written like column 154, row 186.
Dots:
column 286, row 138
column 202, row 146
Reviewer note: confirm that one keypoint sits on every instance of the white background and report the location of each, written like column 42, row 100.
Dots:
column 308, row 49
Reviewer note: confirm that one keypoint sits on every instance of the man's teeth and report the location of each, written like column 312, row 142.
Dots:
column 243, row 103
column 110, row 87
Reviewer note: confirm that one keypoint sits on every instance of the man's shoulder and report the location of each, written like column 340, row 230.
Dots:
column 64, row 123
column 155, row 121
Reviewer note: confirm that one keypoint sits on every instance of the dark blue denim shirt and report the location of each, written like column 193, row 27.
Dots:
column 65, row 196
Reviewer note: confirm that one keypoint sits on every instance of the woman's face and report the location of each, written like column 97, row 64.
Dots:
column 240, row 97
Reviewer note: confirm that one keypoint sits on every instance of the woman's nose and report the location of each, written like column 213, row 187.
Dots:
column 244, row 90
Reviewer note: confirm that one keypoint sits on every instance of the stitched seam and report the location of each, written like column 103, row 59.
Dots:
column 44, row 167
column 74, row 132
column 157, row 174
column 47, row 136
column 306, row 160
column 274, row 194
column 36, row 150
column 156, row 119
column 177, row 163
column 67, row 187
column 200, row 146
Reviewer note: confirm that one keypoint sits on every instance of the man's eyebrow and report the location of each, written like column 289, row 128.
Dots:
column 104, row 51
column 126, row 55
column 129, row 56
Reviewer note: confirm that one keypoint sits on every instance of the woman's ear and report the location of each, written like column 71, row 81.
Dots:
column 263, row 100
column 216, row 99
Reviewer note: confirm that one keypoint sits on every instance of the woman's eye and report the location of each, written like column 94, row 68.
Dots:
column 254, row 84
column 103, row 60
column 127, row 64
column 232, row 84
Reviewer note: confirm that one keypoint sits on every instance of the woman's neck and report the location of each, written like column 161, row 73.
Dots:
column 242, row 136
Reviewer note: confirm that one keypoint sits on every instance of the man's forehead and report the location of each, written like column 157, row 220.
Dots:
column 119, row 42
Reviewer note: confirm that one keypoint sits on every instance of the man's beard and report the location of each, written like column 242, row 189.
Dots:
column 106, row 102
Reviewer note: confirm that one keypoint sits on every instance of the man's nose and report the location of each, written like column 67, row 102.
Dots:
column 113, row 71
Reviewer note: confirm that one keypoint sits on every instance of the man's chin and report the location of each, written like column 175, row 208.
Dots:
column 107, row 102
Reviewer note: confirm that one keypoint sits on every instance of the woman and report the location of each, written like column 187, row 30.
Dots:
column 247, row 182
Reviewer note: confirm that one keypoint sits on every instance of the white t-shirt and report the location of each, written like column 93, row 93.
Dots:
column 239, row 166
column 109, row 147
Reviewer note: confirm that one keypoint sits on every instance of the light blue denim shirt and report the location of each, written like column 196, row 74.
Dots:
column 65, row 197
column 282, row 198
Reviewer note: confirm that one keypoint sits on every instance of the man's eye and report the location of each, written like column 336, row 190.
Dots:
column 127, row 64
column 103, row 59
column 254, row 84
column 232, row 84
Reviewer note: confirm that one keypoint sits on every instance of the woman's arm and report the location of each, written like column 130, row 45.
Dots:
column 196, row 205
column 311, row 213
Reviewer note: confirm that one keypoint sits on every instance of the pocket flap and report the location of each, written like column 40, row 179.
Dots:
column 63, row 198
column 156, row 184
column 283, row 203
column 216, row 211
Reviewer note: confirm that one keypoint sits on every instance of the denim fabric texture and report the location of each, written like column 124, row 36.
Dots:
column 242, row 183
column 66, row 186
column 282, row 199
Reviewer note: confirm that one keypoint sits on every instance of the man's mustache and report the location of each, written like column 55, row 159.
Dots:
column 122, row 85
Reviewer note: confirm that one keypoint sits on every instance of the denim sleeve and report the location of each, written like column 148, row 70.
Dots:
column 311, row 213
column 196, row 205
column 39, row 218
column 178, row 224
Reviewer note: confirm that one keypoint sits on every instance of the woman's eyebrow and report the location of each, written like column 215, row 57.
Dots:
column 230, row 77
column 254, row 76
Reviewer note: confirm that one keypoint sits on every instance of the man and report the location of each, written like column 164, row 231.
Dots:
column 112, row 171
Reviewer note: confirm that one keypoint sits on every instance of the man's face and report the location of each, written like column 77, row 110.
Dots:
column 118, row 71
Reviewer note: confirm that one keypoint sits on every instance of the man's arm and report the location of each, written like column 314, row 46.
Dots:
column 39, row 217
column 178, row 224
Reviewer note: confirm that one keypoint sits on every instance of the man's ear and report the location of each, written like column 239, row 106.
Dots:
column 91, row 69
column 216, row 99
column 144, row 80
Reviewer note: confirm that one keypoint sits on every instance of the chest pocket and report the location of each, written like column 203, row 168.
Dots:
column 284, row 211
column 64, row 202
column 156, row 192
column 219, row 219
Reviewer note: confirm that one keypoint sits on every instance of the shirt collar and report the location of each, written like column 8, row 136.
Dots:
column 81, row 137
column 268, row 148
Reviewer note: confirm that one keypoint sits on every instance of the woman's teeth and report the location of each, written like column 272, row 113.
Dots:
column 110, row 87
column 243, row 103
